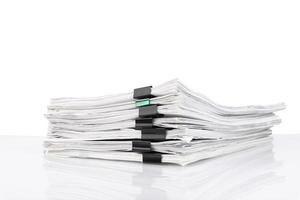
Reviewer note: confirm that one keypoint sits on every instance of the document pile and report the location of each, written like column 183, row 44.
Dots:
column 166, row 124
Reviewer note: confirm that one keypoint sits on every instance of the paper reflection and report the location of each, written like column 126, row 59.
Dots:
column 233, row 176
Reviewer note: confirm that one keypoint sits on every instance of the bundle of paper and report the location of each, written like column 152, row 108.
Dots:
column 168, row 123
column 230, row 176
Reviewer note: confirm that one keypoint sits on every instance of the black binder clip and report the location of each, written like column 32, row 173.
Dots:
column 142, row 93
column 149, row 111
column 141, row 146
column 154, row 134
column 152, row 157
column 141, row 123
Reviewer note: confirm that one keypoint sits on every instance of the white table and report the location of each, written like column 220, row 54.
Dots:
column 264, row 173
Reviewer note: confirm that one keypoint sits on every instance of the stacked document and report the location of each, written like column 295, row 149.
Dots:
column 168, row 123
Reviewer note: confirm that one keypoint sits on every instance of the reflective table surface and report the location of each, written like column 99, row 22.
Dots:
column 269, row 172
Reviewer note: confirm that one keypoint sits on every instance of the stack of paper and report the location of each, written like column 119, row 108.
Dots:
column 168, row 123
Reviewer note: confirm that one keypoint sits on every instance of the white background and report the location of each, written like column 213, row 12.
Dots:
column 235, row 52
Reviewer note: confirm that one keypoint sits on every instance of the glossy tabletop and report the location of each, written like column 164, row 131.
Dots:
column 269, row 172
